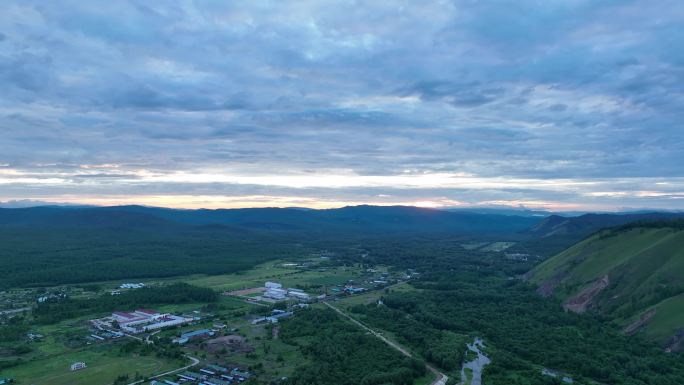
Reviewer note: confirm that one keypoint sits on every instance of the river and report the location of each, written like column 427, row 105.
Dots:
column 476, row 365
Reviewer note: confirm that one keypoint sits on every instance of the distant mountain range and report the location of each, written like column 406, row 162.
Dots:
column 351, row 219
column 355, row 219
column 24, row 203
column 520, row 212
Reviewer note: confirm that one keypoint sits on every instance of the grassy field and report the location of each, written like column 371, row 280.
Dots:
column 669, row 317
column 48, row 363
column 473, row 245
column 64, row 343
column 104, row 365
column 497, row 246
column 274, row 271
column 271, row 359
column 371, row 296
column 278, row 270
column 487, row 246
column 277, row 359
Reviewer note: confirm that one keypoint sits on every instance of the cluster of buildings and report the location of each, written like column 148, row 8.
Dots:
column 144, row 320
column 140, row 320
column 103, row 335
column 273, row 318
column 348, row 288
column 351, row 289
column 51, row 296
column 194, row 335
column 275, row 291
column 132, row 286
column 34, row 336
column 127, row 286
column 520, row 257
column 209, row 375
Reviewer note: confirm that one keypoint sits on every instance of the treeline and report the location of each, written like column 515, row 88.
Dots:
column 675, row 224
column 340, row 353
column 55, row 310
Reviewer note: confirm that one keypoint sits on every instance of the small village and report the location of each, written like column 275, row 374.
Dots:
column 219, row 346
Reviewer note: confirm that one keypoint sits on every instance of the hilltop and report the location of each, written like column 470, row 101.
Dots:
column 633, row 274
column 583, row 225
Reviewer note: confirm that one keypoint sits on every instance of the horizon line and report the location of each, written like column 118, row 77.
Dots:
column 29, row 203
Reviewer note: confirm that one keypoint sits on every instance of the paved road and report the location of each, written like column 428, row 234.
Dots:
column 441, row 377
column 194, row 360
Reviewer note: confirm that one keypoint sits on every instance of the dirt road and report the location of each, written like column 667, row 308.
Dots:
column 441, row 377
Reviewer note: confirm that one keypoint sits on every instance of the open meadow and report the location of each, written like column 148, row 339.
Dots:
column 104, row 363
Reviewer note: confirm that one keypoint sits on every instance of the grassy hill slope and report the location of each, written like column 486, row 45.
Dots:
column 633, row 274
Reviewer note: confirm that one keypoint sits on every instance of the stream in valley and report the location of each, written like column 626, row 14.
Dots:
column 476, row 365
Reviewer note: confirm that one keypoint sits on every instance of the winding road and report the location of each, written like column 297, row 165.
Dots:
column 194, row 360
column 441, row 378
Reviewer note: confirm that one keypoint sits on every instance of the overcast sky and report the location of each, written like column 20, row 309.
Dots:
column 567, row 104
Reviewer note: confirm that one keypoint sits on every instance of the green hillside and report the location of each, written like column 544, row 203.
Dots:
column 633, row 275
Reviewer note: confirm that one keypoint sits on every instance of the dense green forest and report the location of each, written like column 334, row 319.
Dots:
column 525, row 333
column 465, row 294
column 47, row 246
column 47, row 257
column 342, row 354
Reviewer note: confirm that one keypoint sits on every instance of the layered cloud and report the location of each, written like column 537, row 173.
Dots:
column 573, row 104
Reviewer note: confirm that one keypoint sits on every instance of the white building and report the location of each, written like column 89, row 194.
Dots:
column 143, row 320
column 275, row 293
column 135, row 317
column 273, row 285
column 299, row 295
column 132, row 286
column 78, row 366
